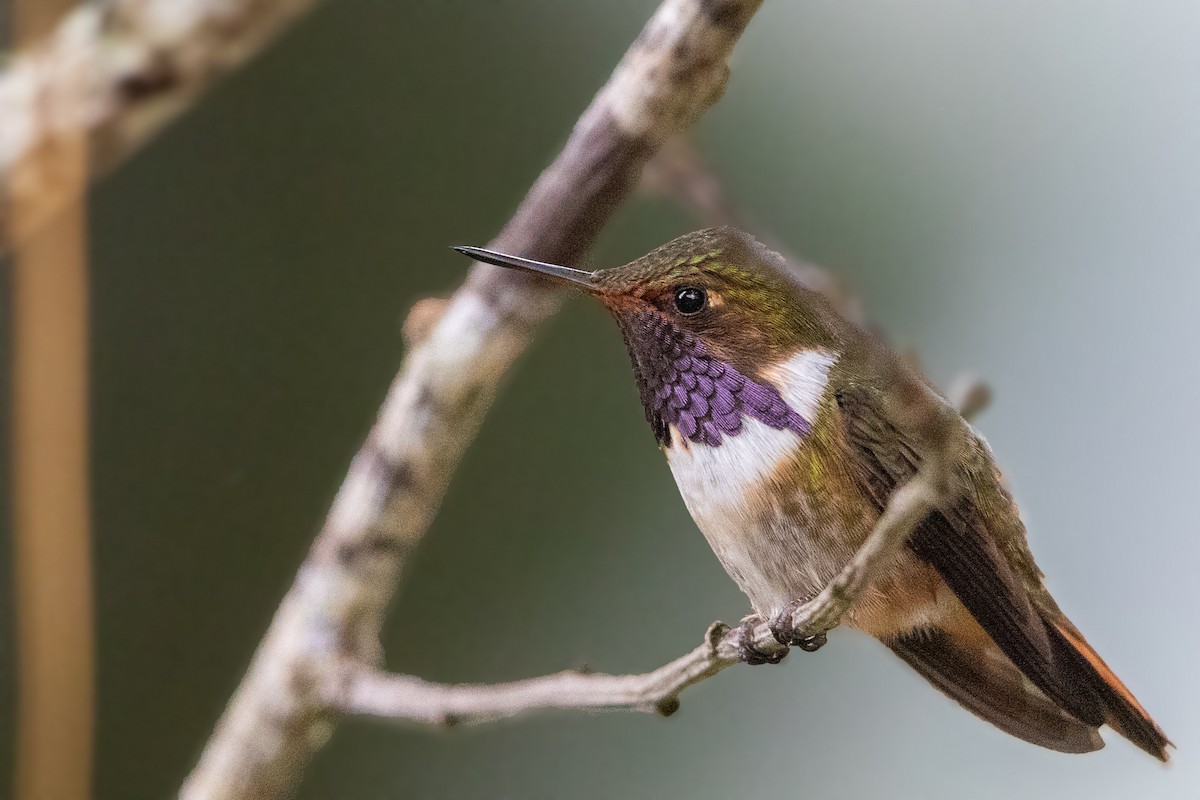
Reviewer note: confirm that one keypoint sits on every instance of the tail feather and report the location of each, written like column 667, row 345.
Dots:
column 986, row 683
column 1059, row 706
column 1121, row 710
column 1027, row 627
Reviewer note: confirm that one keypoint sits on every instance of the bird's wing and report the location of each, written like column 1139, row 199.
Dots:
column 956, row 542
column 977, row 545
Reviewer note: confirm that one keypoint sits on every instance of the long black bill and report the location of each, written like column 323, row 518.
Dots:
column 578, row 277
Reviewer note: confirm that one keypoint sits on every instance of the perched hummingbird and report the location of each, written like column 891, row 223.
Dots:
column 779, row 420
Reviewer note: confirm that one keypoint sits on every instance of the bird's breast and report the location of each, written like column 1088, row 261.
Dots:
column 762, row 532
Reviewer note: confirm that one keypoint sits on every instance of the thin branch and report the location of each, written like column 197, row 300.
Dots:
column 368, row 692
column 111, row 75
column 280, row 714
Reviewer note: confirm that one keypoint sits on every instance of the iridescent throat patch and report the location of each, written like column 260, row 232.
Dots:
column 703, row 397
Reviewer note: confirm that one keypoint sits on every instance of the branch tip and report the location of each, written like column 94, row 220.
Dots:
column 716, row 632
column 667, row 706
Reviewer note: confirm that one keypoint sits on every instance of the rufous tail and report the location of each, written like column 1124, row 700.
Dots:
column 1122, row 712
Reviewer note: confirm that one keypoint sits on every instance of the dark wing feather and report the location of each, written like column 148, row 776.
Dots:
column 957, row 543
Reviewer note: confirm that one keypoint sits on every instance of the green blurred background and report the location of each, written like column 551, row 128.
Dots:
column 1012, row 188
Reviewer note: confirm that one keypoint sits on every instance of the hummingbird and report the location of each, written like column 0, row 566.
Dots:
column 782, row 424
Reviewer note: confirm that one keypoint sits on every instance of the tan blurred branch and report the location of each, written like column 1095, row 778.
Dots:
column 88, row 87
column 51, row 512
column 331, row 617
column 52, row 575
column 112, row 74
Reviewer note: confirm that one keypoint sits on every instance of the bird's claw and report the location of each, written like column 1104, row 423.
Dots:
column 747, row 651
column 785, row 633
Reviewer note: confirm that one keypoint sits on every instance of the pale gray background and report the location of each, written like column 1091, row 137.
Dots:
column 1012, row 187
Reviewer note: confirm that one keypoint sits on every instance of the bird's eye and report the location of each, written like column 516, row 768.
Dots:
column 690, row 300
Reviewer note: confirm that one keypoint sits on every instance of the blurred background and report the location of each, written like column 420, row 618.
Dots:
column 1013, row 189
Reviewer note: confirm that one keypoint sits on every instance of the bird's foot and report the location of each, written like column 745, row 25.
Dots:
column 747, row 650
column 785, row 633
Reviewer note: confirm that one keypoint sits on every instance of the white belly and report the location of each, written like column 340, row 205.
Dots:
column 721, row 487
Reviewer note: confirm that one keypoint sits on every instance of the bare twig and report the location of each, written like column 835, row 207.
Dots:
column 368, row 692
column 281, row 713
column 111, row 75
column 373, row 693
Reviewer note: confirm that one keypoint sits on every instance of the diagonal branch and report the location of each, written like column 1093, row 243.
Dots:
column 369, row 692
column 280, row 715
